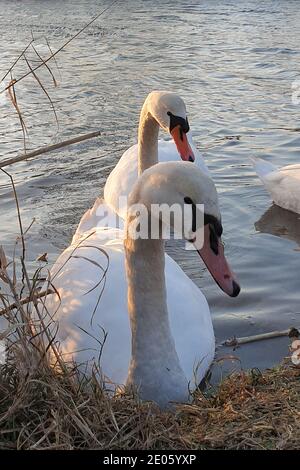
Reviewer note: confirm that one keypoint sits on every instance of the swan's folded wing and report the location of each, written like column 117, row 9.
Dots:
column 91, row 307
column 284, row 187
column 121, row 180
column 99, row 216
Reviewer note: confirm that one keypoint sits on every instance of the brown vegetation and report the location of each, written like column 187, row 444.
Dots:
column 44, row 410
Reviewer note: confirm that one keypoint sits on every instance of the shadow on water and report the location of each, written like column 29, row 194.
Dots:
column 280, row 223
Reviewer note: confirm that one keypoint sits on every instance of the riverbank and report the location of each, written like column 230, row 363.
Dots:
column 249, row 410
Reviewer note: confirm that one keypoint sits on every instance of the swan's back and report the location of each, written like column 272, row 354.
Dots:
column 262, row 167
column 282, row 183
column 99, row 216
column 124, row 175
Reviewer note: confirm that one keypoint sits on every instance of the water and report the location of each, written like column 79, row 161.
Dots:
column 234, row 64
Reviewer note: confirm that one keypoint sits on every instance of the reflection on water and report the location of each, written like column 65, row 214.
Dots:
column 280, row 223
column 233, row 63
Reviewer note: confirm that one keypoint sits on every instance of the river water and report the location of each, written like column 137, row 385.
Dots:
column 234, row 64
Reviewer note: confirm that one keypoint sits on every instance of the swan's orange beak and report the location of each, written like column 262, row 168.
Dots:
column 182, row 144
column 217, row 265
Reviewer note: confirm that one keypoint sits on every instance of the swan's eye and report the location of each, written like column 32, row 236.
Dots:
column 178, row 121
column 188, row 200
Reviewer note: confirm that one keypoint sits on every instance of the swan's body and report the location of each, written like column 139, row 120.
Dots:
column 125, row 173
column 99, row 216
column 283, row 184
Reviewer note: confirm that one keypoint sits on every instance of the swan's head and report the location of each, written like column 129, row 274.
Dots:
column 169, row 110
column 192, row 199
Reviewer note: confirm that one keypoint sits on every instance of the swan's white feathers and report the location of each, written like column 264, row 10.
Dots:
column 189, row 313
column 100, row 215
column 283, row 184
column 122, row 178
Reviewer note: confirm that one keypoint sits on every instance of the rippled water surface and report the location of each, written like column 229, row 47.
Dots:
column 233, row 63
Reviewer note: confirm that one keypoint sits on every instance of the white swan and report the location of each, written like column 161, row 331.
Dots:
column 283, row 184
column 161, row 109
column 159, row 333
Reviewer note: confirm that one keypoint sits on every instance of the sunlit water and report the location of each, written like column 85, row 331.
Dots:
column 234, row 64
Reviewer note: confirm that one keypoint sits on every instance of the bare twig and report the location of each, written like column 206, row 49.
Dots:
column 16, row 61
column 43, row 88
column 46, row 65
column 25, row 300
column 54, row 58
column 18, row 212
column 49, row 148
column 13, row 98
column 291, row 332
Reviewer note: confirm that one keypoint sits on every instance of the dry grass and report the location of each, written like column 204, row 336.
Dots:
column 44, row 410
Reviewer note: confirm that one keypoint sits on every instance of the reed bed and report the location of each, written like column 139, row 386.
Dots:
column 45, row 410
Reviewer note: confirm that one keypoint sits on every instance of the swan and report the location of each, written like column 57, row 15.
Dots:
column 283, row 184
column 160, row 109
column 152, row 324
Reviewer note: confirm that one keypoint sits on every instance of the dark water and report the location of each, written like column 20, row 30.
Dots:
column 234, row 64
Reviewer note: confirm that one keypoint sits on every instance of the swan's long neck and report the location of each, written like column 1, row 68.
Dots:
column 154, row 368
column 147, row 140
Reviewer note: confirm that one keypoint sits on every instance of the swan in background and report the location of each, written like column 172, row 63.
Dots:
column 158, row 331
column 283, row 184
column 160, row 109
column 280, row 223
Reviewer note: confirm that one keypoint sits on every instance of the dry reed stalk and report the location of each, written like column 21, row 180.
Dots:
column 46, row 65
column 16, row 61
column 13, row 98
column 43, row 88
column 26, row 300
column 49, row 148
